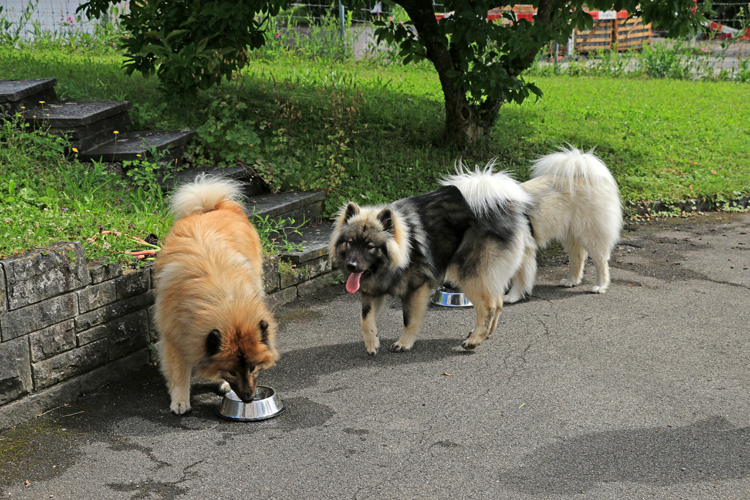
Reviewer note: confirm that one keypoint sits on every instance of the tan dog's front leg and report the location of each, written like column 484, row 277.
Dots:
column 415, row 307
column 177, row 372
column 371, row 306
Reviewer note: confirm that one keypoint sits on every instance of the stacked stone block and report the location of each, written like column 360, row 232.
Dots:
column 62, row 319
column 289, row 281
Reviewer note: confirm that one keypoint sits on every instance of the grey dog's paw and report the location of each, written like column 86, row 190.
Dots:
column 469, row 346
column 372, row 345
column 396, row 347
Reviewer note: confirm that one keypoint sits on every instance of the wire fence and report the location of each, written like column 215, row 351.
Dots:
column 30, row 18
column 733, row 15
column 316, row 11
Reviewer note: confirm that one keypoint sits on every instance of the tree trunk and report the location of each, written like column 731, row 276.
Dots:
column 464, row 124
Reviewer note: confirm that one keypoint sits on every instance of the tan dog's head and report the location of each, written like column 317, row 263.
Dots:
column 239, row 354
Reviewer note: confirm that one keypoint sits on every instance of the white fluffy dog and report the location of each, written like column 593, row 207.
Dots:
column 577, row 202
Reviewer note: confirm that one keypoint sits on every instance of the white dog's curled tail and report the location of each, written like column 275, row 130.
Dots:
column 570, row 166
column 204, row 194
column 486, row 191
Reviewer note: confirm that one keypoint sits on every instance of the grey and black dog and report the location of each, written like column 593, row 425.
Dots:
column 472, row 232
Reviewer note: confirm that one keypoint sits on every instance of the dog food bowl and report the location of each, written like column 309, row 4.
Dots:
column 449, row 296
column 266, row 404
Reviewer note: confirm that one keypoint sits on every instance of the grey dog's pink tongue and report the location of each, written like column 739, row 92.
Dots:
column 352, row 283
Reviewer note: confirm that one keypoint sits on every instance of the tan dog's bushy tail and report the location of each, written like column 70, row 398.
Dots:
column 204, row 194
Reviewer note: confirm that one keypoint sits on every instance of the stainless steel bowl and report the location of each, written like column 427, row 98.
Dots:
column 266, row 404
column 450, row 297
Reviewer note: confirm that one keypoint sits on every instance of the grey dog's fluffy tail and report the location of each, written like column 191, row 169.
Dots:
column 485, row 190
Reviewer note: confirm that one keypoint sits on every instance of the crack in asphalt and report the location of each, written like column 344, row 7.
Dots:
column 149, row 488
column 165, row 489
column 126, row 445
column 728, row 283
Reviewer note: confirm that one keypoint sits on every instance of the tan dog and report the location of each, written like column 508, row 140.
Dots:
column 210, row 308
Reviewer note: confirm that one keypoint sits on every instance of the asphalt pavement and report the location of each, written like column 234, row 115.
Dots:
column 638, row 393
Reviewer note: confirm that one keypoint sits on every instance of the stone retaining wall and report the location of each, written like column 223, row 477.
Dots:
column 68, row 326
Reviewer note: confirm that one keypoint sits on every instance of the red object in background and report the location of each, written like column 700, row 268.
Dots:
column 725, row 32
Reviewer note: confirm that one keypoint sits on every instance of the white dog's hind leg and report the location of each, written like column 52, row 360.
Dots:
column 523, row 281
column 577, row 256
column 601, row 263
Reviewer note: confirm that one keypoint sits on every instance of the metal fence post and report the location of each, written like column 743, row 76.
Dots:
column 342, row 25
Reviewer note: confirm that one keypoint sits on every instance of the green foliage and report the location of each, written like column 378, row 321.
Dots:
column 190, row 44
column 275, row 233
column 315, row 37
column 45, row 197
column 227, row 137
column 661, row 59
column 280, row 164
column 340, row 129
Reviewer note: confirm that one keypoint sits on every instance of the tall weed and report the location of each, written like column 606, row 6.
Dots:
column 314, row 37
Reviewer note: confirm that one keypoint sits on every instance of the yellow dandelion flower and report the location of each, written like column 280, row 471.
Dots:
column 41, row 102
column 138, row 154
column 23, row 107
column 75, row 150
column 116, row 132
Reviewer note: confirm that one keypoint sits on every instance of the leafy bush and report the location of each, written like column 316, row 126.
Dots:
column 226, row 138
column 190, row 44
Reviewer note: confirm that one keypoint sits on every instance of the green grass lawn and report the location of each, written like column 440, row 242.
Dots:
column 667, row 140
column 371, row 132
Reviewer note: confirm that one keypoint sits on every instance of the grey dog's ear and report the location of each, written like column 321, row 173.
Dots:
column 213, row 342
column 386, row 218
column 352, row 209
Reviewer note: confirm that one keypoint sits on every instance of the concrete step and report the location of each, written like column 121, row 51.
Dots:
column 17, row 94
column 313, row 241
column 253, row 185
column 86, row 123
column 300, row 206
column 138, row 145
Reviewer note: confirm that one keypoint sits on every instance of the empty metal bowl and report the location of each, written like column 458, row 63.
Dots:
column 266, row 404
column 450, row 297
